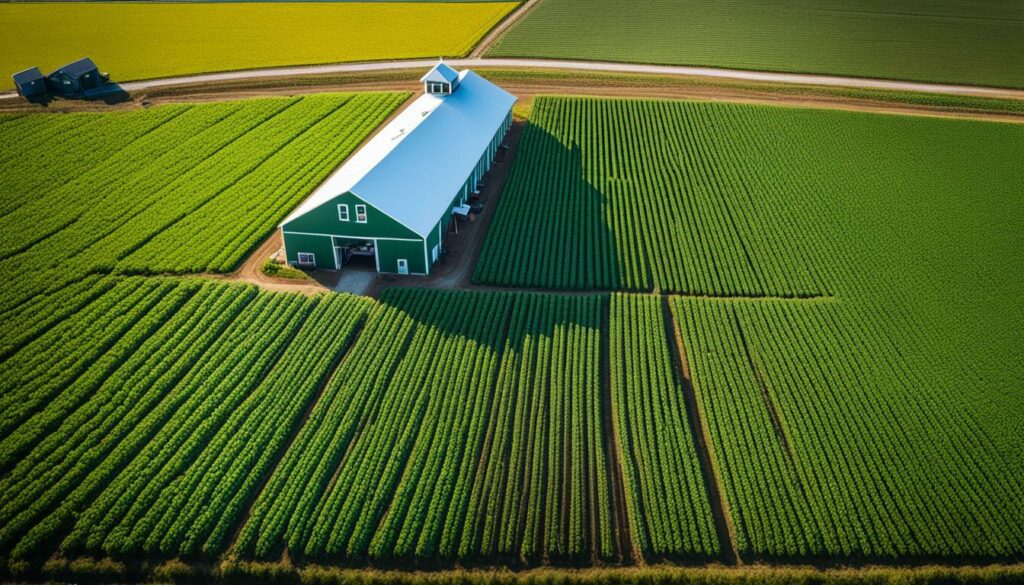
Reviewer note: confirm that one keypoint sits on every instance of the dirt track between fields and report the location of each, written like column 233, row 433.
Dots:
column 708, row 73
column 526, row 89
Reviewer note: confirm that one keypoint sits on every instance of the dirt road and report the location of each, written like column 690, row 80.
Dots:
column 591, row 66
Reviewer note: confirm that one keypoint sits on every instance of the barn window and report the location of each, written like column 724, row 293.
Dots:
column 343, row 212
column 439, row 88
column 360, row 214
column 307, row 259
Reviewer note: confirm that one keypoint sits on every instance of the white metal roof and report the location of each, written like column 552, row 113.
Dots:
column 414, row 166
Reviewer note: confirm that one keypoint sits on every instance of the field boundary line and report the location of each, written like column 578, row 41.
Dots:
column 801, row 79
column 724, row 528
column 499, row 29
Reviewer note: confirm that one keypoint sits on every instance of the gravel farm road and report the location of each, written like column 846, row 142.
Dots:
column 600, row 66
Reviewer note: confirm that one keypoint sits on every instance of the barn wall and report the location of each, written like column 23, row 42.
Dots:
column 389, row 251
column 324, row 220
column 319, row 246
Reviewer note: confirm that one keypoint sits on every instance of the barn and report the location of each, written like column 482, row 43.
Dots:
column 392, row 201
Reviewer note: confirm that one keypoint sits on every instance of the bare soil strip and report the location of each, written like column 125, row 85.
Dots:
column 724, row 528
column 629, row 550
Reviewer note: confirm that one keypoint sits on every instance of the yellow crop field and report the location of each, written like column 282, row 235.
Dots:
column 142, row 41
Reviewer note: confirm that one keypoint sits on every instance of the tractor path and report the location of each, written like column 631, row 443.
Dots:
column 590, row 66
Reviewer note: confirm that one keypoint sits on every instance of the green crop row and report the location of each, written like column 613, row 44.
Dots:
column 460, row 426
column 183, row 393
column 668, row 506
column 182, row 188
column 949, row 42
column 668, row 205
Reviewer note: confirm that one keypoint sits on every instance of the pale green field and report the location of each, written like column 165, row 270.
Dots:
column 142, row 41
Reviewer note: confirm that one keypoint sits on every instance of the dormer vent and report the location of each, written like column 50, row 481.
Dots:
column 441, row 81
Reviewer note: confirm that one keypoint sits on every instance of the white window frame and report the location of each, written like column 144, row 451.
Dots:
column 342, row 207
column 439, row 87
column 361, row 214
column 311, row 258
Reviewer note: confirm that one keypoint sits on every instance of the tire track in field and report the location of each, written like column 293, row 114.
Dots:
column 724, row 528
column 629, row 553
column 243, row 519
column 769, row 403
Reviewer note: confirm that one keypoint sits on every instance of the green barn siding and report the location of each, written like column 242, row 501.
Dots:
column 432, row 240
column 324, row 220
column 393, row 240
column 389, row 251
column 319, row 246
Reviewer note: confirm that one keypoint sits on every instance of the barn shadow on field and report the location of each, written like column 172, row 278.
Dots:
column 496, row 320
column 550, row 229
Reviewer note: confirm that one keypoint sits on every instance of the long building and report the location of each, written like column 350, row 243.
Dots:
column 394, row 198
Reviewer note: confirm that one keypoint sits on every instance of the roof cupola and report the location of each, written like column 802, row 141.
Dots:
column 441, row 80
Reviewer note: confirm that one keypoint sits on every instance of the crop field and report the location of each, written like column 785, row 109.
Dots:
column 754, row 335
column 134, row 192
column 945, row 41
column 851, row 307
column 172, row 399
column 469, row 458
column 147, row 40
column 669, row 205
column 166, row 423
column 668, row 507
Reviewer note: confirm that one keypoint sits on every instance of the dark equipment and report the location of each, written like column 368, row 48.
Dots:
column 30, row 82
column 81, row 79
column 76, row 78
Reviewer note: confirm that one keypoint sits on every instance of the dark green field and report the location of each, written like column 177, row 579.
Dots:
column 977, row 43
